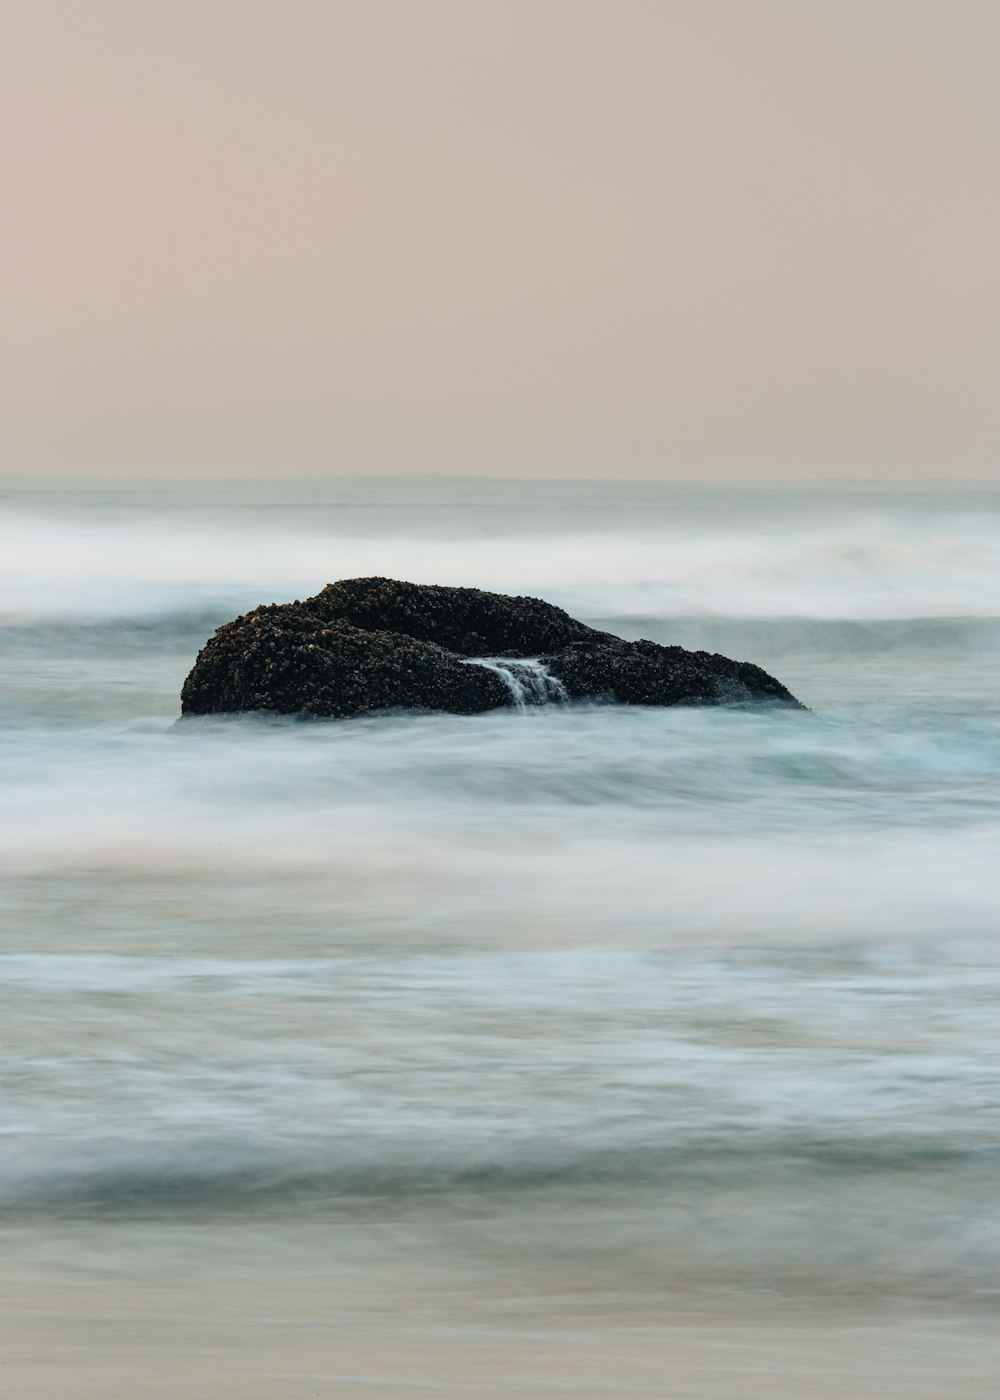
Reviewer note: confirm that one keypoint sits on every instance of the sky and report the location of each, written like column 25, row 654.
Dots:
column 688, row 239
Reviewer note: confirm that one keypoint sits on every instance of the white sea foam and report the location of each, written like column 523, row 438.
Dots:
column 928, row 561
column 598, row 822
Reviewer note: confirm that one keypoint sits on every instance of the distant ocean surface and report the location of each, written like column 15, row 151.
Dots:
column 706, row 997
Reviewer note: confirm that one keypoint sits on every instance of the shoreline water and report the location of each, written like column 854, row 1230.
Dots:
column 388, row 1310
column 392, row 1029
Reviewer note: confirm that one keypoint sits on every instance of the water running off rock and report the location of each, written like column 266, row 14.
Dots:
column 528, row 680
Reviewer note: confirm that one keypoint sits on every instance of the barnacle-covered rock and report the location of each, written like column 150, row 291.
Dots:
column 371, row 644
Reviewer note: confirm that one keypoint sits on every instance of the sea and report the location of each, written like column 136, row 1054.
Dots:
column 504, row 1054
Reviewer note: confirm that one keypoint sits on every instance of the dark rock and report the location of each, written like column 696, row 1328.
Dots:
column 464, row 620
column 374, row 644
column 645, row 673
column 289, row 659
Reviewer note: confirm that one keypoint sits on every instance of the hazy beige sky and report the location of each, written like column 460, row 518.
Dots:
column 557, row 237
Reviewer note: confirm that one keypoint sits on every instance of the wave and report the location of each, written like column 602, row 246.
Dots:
column 665, row 825
column 907, row 1218
column 239, row 1175
column 932, row 564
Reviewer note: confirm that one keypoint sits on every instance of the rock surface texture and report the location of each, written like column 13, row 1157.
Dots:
column 371, row 644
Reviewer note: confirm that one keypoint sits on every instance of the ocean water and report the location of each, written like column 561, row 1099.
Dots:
column 603, row 998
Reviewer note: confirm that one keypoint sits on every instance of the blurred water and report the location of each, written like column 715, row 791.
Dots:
column 720, row 985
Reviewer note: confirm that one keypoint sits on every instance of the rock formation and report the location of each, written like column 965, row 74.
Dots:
column 371, row 644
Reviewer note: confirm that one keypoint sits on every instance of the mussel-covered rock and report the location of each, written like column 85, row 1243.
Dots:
column 371, row 644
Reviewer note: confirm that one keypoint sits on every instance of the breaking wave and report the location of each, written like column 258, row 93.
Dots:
column 858, row 556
